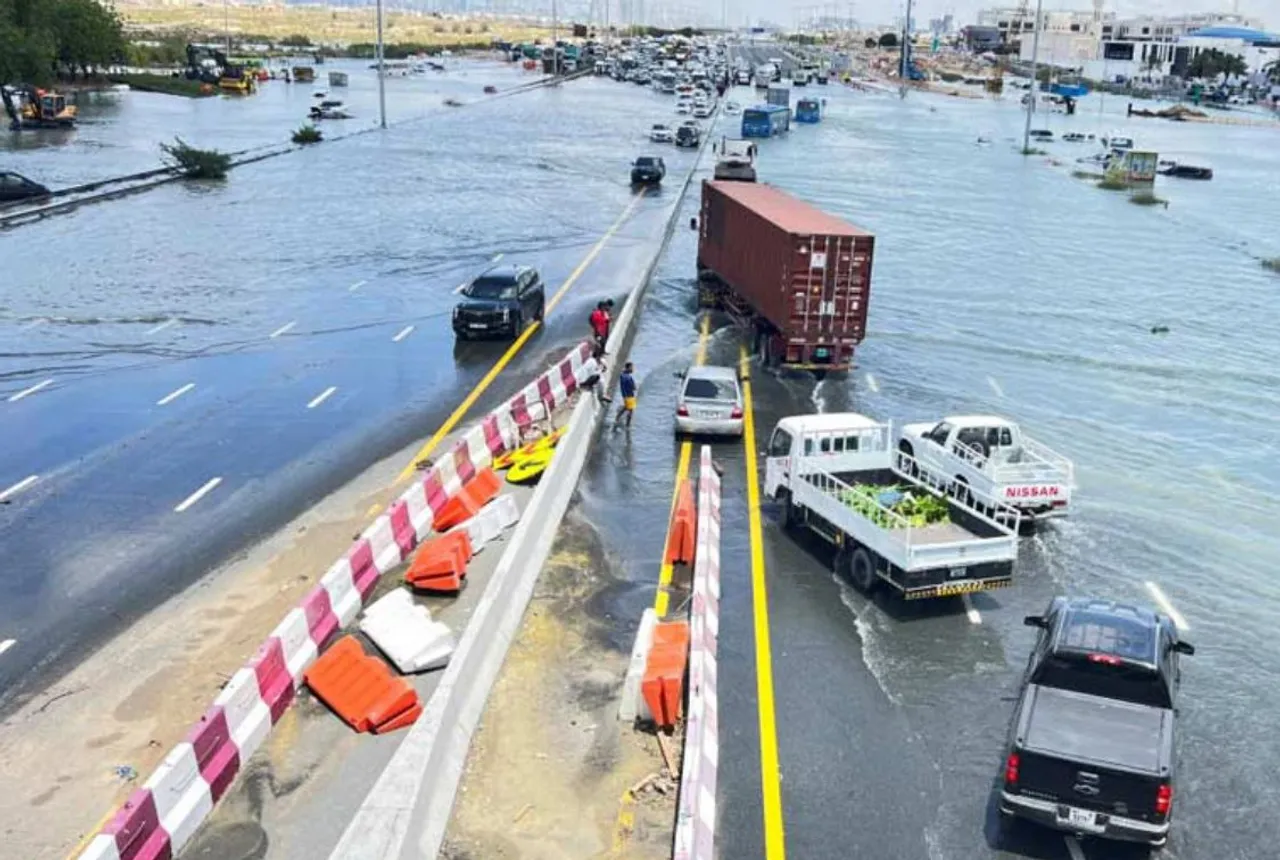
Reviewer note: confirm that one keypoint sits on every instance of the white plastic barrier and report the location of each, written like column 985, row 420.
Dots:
column 633, row 704
column 490, row 522
column 343, row 596
column 181, row 794
column 386, row 552
column 248, row 717
column 295, row 638
column 404, row 631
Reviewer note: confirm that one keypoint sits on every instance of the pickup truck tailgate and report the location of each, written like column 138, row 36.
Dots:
column 1094, row 752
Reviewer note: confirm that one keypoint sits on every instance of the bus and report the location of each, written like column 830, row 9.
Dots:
column 765, row 120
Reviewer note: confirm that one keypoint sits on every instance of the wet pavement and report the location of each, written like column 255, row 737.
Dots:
column 1001, row 284
column 279, row 332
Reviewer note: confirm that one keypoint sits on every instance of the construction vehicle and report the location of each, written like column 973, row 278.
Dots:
column 29, row 107
column 205, row 63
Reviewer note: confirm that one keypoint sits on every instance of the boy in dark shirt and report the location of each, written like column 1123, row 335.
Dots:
column 628, row 388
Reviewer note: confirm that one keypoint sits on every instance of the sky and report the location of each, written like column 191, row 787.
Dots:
column 884, row 11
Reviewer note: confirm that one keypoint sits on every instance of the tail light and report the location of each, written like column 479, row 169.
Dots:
column 1011, row 770
column 1164, row 799
column 736, row 413
column 682, row 411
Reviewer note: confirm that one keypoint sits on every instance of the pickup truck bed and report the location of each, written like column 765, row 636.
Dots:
column 1091, row 729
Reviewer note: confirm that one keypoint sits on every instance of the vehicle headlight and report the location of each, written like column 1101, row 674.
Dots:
column 456, row 311
column 506, row 314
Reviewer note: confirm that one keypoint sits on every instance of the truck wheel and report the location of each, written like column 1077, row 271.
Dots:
column 790, row 515
column 960, row 489
column 861, row 572
column 908, row 465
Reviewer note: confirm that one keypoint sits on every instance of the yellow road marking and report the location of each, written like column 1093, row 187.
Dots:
column 92, row 832
column 662, row 600
column 770, row 776
column 499, row 365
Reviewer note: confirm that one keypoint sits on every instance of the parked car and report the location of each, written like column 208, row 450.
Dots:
column 648, row 170
column 500, row 302
column 661, row 134
column 710, row 402
column 1091, row 744
column 16, row 187
column 688, row 136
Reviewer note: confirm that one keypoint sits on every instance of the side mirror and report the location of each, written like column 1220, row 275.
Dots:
column 1184, row 648
column 1036, row 621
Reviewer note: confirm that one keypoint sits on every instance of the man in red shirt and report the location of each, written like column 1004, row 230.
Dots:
column 600, row 322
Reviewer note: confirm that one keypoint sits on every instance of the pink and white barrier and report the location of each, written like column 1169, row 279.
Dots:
column 696, row 813
column 161, row 817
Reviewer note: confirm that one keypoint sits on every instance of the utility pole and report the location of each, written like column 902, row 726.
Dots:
column 1031, row 94
column 382, row 75
column 226, row 25
column 905, row 62
column 555, row 40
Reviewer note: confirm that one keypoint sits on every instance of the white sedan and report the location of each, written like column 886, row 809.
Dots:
column 661, row 134
column 702, row 111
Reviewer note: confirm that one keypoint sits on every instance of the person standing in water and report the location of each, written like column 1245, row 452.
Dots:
column 628, row 389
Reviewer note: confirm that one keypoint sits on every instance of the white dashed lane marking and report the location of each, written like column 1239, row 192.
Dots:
column 174, row 395
column 18, row 487
column 1165, row 604
column 164, row 325
column 197, row 495
column 404, row 332
column 27, row 392
column 322, row 397
column 283, row 329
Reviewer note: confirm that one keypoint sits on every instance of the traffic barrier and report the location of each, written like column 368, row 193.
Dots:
column 405, row 632
column 322, row 621
column 382, row 542
column 468, row 501
column 359, row 688
column 248, row 717
column 215, row 750
column 101, row 847
column 462, row 462
column 696, row 809
column 294, row 635
column 402, row 530
column 420, row 513
column 681, row 537
column 632, row 704
column 364, row 573
column 181, row 795
column 490, row 523
column 663, row 682
column 441, row 563
column 275, row 684
column 137, row 831
column 344, row 599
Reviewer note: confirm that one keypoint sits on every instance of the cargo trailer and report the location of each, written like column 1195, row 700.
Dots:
column 799, row 277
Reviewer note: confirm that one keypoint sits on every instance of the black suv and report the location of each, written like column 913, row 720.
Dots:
column 688, row 135
column 15, row 187
column 648, row 169
column 501, row 301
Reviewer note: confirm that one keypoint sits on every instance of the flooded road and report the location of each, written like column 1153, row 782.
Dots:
column 182, row 372
column 1002, row 284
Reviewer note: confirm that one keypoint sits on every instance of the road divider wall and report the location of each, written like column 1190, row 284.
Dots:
column 406, row 814
column 159, row 819
column 696, row 813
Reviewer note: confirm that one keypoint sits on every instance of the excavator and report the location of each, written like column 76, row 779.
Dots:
column 30, row 107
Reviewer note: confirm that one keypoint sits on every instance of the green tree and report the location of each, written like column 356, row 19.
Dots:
column 296, row 41
column 86, row 34
column 1212, row 62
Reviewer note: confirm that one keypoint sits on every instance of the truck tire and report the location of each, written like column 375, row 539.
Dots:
column 790, row 514
column 908, row 466
column 960, row 489
column 861, row 571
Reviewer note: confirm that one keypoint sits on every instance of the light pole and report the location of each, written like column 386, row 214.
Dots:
column 382, row 87
column 1031, row 94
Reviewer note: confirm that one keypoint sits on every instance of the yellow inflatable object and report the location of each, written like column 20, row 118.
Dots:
column 549, row 442
column 529, row 469
column 505, row 461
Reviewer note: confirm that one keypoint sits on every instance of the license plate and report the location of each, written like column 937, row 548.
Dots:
column 957, row 572
column 706, row 415
column 477, row 325
column 1082, row 818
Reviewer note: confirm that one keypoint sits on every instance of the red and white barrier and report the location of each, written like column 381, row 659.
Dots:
column 160, row 818
column 696, row 813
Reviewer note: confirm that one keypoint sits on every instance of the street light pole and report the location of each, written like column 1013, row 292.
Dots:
column 382, row 74
column 1031, row 94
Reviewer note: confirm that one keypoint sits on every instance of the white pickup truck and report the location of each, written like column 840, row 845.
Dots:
column 992, row 457
column 840, row 476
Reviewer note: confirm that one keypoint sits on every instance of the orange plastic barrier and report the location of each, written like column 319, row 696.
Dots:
column 680, row 536
column 463, row 505
column 361, row 690
column 663, row 684
column 441, row 563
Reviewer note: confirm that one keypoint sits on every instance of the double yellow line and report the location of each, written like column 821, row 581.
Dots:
column 662, row 600
column 498, row 366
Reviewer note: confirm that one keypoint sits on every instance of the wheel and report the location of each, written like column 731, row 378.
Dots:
column 790, row 513
column 908, row 465
column 861, row 572
column 960, row 490
column 517, row 323
column 541, row 311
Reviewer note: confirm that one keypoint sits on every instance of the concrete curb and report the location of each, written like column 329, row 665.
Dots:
column 407, row 813
column 158, row 819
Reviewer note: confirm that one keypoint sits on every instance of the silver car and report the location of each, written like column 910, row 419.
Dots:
column 710, row 402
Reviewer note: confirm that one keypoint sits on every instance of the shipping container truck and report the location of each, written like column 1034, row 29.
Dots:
column 799, row 277
column 838, row 476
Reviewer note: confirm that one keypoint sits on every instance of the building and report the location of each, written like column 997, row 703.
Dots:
column 1257, row 48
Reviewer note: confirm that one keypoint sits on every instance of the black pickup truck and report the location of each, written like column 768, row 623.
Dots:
column 1091, row 743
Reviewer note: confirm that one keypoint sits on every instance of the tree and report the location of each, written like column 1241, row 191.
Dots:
column 296, row 41
column 86, row 34
column 889, row 40
column 1212, row 62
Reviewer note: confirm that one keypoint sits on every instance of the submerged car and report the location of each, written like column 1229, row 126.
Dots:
column 710, row 402
column 14, row 186
column 688, row 136
column 500, row 302
column 648, row 170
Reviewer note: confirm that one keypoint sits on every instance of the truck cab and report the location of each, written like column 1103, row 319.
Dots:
column 992, row 456
column 1091, row 743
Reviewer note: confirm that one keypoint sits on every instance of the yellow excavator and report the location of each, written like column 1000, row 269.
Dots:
column 29, row 107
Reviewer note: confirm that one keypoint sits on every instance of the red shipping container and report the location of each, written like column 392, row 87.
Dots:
column 804, row 276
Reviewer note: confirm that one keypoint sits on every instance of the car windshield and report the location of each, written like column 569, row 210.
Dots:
column 711, row 389
column 646, row 161
column 495, row 287
column 1109, row 678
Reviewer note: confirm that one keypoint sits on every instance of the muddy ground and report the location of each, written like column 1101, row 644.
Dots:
column 551, row 767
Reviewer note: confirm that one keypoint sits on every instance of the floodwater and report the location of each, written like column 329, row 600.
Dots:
column 1002, row 284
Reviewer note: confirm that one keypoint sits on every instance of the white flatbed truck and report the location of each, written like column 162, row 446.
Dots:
column 819, row 466
column 992, row 457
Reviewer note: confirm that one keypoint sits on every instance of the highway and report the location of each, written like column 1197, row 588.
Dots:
column 880, row 727
column 162, row 415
